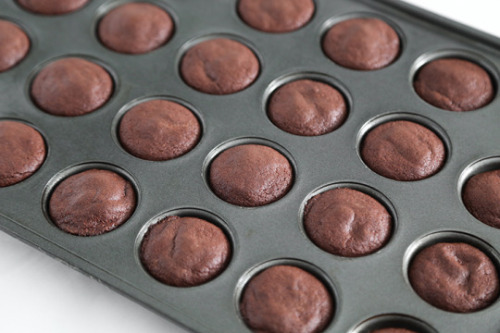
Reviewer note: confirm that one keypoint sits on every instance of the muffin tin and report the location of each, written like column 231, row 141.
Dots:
column 369, row 291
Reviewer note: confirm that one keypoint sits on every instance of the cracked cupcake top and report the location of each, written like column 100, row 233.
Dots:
column 455, row 277
column 276, row 16
column 347, row 222
column 185, row 251
column 250, row 175
column 308, row 108
column 22, row 152
column 286, row 299
column 219, row 66
column 403, row 150
column 14, row 45
column 454, row 84
column 92, row 202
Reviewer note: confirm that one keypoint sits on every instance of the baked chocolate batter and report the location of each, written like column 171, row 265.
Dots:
column 306, row 107
column 403, row 150
column 159, row 130
column 71, row 87
column 135, row 28
column 286, row 299
column 454, row 84
column 347, row 222
column 22, row 152
column 14, row 45
column 92, row 202
column 185, row 251
column 52, row 7
column 219, row 66
column 276, row 15
column 362, row 44
column 454, row 277
column 250, row 175
column 481, row 197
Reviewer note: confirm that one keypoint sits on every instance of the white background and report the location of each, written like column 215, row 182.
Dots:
column 39, row 294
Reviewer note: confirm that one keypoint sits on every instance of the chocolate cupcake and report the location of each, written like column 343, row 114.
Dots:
column 92, row 202
column 347, row 222
column 286, row 299
column 403, row 150
column 393, row 330
column 71, row 87
column 219, row 66
column 52, row 7
column 159, row 130
column 454, row 277
column 308, row 108
column 362, row 44
column 250, row 175
column 481, row 195
column 454, row 84
column 135, row 28
column 14, row 45
column 276, row 15
column 22, row 152
column 185, row 251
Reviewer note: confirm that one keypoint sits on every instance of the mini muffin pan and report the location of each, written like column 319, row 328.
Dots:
column 370, row 291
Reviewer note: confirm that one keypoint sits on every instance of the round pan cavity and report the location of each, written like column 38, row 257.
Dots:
column 410, row 170
column 61, row 176
column 174, row 216
column 393, row 321
column 453, row 237
column 307, row 267
column 285, row 185
column 362, row 188
column 475, row 71
column 480, row 196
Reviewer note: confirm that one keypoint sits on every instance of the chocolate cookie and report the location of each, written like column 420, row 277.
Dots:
column 71, row 87
column 403, row 150
column 276, row 15
column 250, row 175
column 22, row 152
column 481, row 195
column 454, row 277
column 219, row 66
column 306, row 107
column 135, row 28
column 92, row 202
column 185, row 251
column 362, row 44
column 347, row 222
column 159, row 130
column 454, row 84
column 52, row 7
column 14, row 45
column 393, row 330
column 286, row 299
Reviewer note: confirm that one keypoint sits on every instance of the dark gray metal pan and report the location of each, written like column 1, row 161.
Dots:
column 367, row 290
